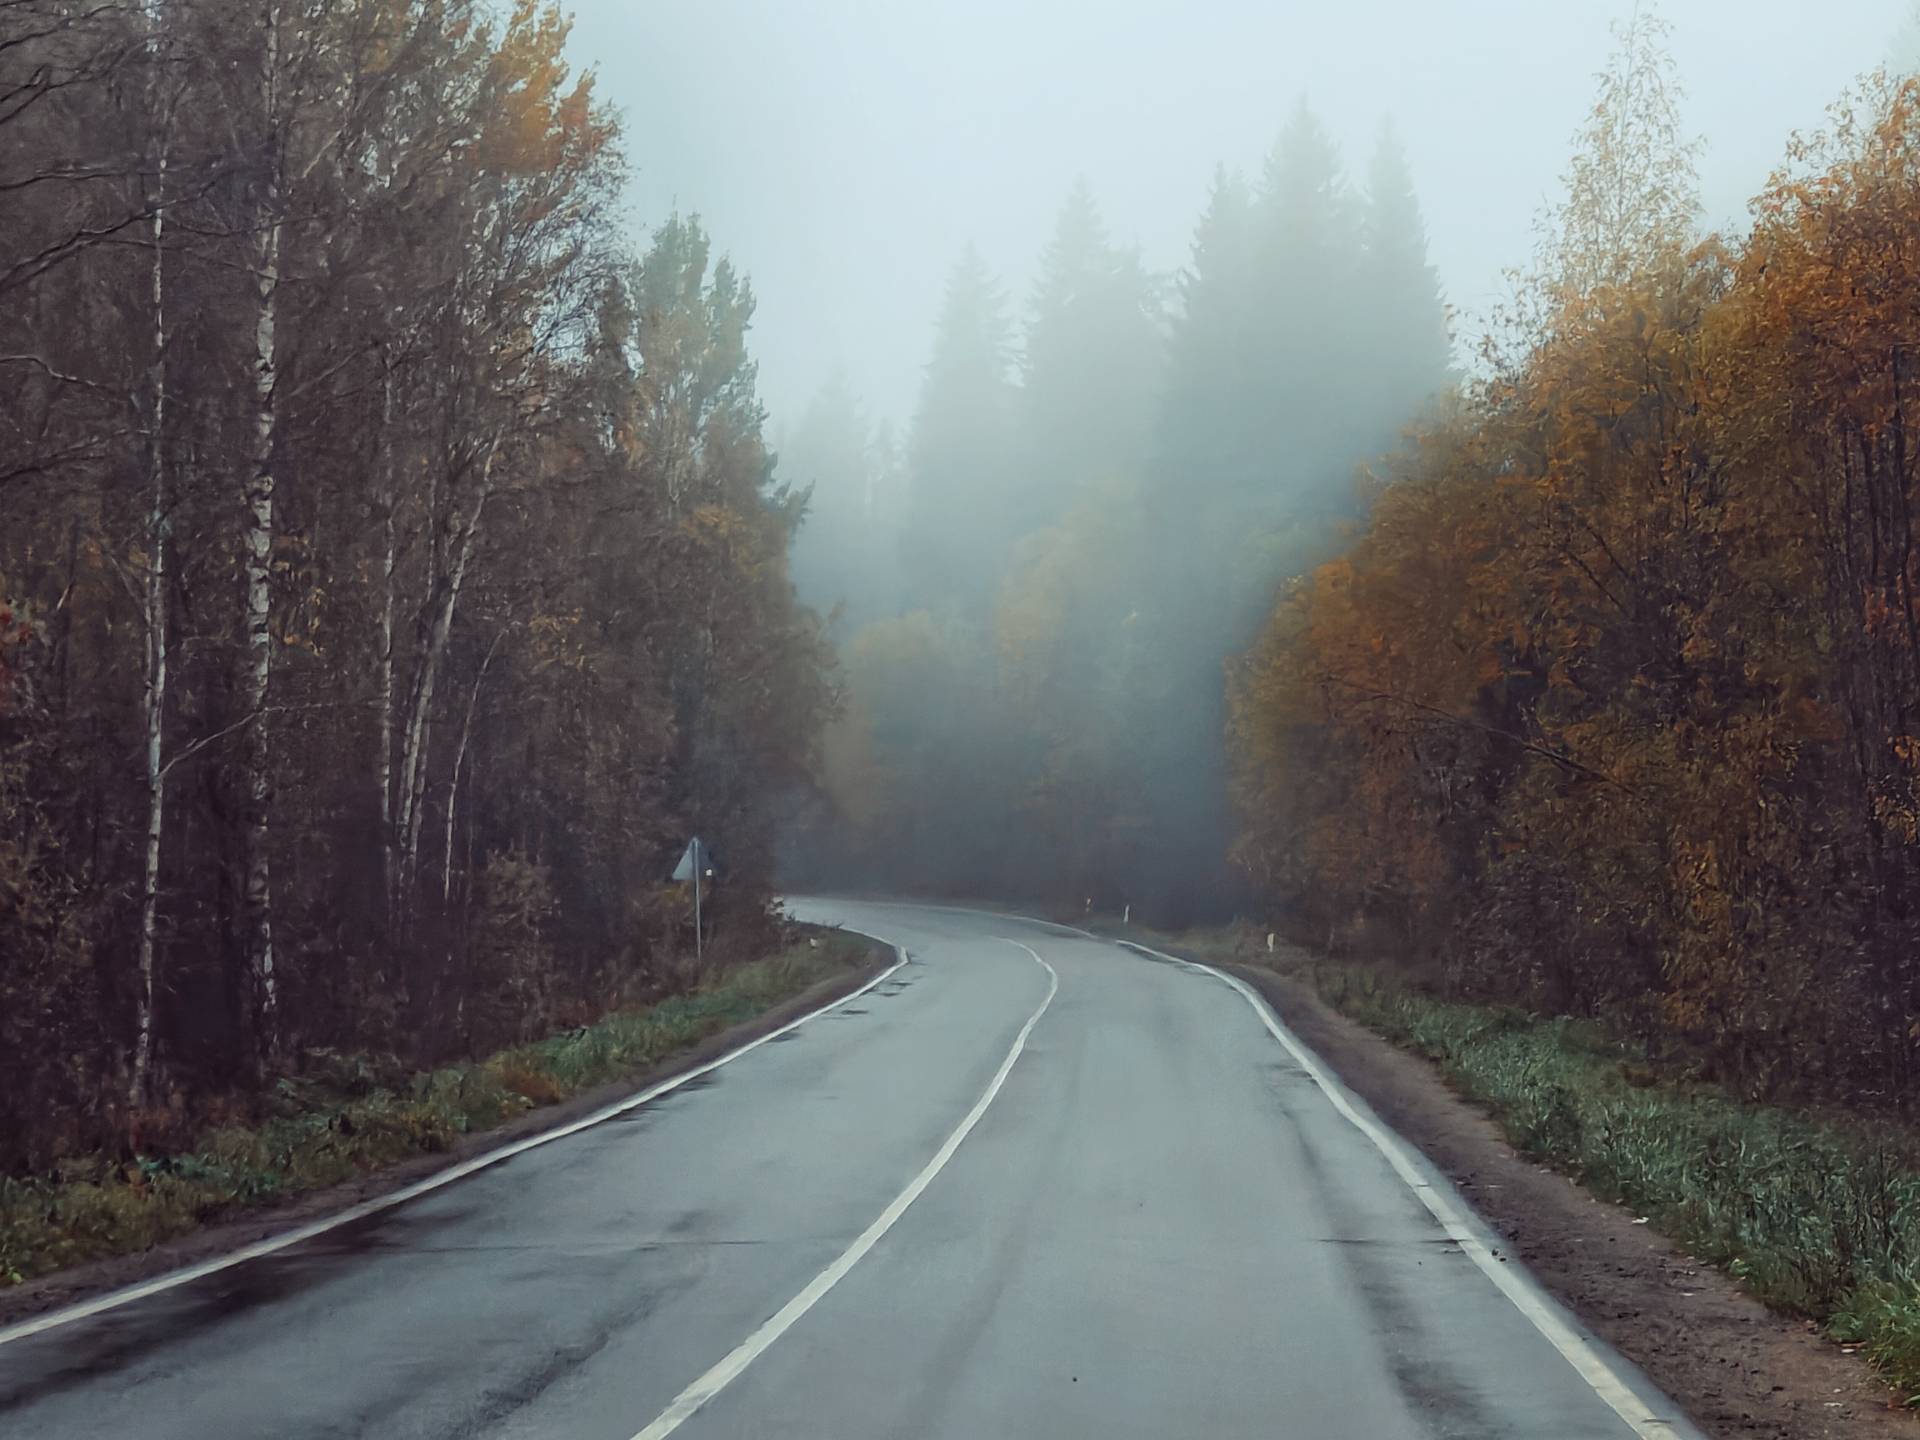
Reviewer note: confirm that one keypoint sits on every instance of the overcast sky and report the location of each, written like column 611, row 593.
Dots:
column 843, row 151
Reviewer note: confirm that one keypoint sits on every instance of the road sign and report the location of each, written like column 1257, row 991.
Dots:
column 692, row 866
column 692, row 861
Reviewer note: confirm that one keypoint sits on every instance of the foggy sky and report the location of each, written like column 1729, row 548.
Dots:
column 843, row 151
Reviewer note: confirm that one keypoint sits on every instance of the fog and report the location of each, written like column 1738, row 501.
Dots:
column 844, row 150
column 1089, row 330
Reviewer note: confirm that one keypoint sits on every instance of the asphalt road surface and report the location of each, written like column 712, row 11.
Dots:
column 1029, row 1185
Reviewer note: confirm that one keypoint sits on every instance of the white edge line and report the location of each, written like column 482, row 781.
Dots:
column 113, row 1299
column 729, row 1368
column 1546, row 1316
column 1578, row 1350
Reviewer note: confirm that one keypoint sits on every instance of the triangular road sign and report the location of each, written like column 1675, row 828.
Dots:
column 692, row 862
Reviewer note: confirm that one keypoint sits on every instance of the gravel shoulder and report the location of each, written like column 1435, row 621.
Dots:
column 1737, row 1368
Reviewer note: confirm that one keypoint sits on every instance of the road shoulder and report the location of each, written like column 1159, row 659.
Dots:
column 1737, row 1368
column 208, row 1242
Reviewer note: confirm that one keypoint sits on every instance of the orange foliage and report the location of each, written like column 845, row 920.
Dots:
column 1614, row 701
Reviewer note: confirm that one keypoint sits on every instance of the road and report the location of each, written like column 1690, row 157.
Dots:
column 1031, row 1184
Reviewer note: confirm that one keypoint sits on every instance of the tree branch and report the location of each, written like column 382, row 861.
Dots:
column 1467, row 722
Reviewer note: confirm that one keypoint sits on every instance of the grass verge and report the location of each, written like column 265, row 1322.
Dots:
column 1818, row 1217
column 333, row 1125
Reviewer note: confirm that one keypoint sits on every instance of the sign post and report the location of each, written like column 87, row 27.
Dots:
column 692, row 863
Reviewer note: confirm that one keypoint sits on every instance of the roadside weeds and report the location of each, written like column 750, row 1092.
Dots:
column 341, row 1135
column 1818, row 1220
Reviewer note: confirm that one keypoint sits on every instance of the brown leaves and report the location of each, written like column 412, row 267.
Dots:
column 1637, row 632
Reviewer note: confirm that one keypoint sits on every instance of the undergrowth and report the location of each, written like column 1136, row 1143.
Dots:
column 339, row 1120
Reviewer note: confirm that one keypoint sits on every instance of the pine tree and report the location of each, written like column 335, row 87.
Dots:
column 1200, row 446
column 841, row 551
column 1397, row 302
column 1092, row 365
column 1307, row 350
column 962, row 479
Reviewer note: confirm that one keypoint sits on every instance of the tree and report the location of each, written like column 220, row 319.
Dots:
column 1200, row 434
column 845, row 552
column 1407, row 349
column 744, row 670
column 1091, row 367
column 1609, row 707
column 1310, row 417
column 1632, row 193
column 297, row 752
column 962, row 481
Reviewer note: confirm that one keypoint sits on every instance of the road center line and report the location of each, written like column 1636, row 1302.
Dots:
column 173, row 1278
column 747, row 1351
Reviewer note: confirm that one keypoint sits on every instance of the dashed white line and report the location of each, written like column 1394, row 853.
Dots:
column 689, row 1401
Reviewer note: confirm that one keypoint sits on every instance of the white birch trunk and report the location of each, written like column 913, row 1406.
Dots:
column 154, row 692
column 413, row 758
column 389, row 558
column 256, row 688
column 459, row 760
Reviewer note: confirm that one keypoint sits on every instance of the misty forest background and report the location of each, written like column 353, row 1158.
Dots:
column 396, row 569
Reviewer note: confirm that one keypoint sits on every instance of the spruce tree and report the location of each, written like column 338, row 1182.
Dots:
column 842, row 551
column 957, row 529
column 1200, row 445
column 1306, row 352
column 1092, row 365
column 1397, row 303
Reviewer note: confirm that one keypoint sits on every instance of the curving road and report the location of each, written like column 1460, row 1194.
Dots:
column 1029, row 1185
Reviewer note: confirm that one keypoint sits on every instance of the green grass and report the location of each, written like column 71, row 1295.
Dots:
column 343, row 1120
column 1817, row 1216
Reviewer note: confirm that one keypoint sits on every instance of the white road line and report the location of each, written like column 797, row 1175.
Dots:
column 1576, row 1348
column 1546, row 1317
column 747, row 1351
column 39, row 1324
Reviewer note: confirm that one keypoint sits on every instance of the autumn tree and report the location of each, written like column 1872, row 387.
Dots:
column 353, row 713
column 1608, row 707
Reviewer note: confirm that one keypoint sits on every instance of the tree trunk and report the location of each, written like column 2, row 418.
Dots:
column 389, row 557
column 154, row 691
column 257, row 891
column 413, row 758
column 459, row 758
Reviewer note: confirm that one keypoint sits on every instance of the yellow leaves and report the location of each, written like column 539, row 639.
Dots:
column 539, row 122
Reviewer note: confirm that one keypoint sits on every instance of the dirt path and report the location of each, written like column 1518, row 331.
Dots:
column 1736, row 1367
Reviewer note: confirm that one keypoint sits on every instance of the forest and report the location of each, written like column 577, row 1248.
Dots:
column 397, row 569
column 1574, row 659
column 1609, row 708
column 392, row 575
column 1033, row 595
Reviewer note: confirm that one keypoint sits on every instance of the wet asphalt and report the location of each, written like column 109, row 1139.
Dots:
column 1160, row 1226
